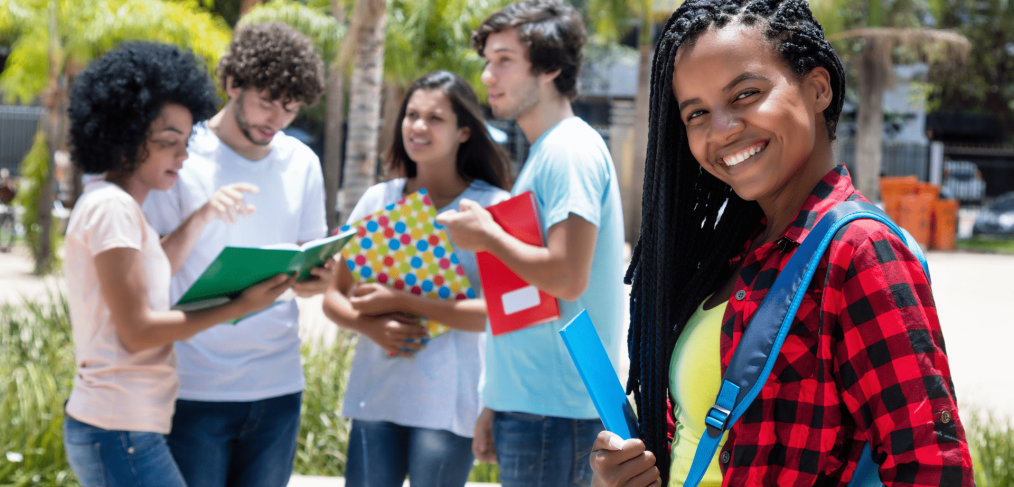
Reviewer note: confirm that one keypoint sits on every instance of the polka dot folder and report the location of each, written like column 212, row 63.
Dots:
column 402, row 246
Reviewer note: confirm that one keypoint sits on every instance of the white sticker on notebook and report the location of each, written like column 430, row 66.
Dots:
column 520, row 299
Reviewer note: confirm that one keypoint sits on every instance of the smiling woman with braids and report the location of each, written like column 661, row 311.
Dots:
column 745, row 99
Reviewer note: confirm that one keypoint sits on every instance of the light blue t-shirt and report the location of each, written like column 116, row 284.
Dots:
column 570, row 171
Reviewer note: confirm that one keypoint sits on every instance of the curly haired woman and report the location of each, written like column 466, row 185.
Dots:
column 131, row 114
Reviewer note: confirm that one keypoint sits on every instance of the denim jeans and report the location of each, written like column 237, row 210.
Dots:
column 111, row 458
column 381, row 453
column 246, row 444
column 543, row 451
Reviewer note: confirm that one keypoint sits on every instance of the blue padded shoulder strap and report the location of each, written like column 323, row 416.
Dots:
column 762, row 340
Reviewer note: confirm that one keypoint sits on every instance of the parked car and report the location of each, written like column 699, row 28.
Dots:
column 963, row 181
column 997, row 218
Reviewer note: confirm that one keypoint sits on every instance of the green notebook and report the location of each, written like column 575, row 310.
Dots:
column 237, row 268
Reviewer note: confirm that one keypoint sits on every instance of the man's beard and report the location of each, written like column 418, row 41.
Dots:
column 529, row 98
column 245, row 126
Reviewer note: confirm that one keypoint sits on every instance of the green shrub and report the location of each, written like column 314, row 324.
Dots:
column 991, row 440
column 34, row 174
column 37, row 370
column 36, row 376
column 323, row 432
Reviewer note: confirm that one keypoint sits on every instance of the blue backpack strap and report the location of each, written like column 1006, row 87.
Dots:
column 762, row 340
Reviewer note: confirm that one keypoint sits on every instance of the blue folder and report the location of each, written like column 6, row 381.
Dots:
column 599, row 376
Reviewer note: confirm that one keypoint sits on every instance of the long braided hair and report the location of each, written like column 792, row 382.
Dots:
column 692, row 223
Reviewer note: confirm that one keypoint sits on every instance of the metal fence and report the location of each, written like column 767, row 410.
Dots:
column 17, row 129
column 995, row 165
column 897, row 158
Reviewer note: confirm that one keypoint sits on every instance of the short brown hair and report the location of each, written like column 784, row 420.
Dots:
column 276, row 58
column 553, row 33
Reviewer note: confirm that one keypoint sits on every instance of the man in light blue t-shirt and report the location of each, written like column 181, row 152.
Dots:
column 540, row 422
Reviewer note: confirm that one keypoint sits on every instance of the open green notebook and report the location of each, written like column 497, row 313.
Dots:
column 237, row 268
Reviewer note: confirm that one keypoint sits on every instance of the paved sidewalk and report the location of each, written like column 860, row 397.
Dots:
column 302, row 481
column 17, row 281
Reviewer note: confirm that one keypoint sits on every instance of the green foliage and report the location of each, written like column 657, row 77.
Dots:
column 987, row 243
column 609, row 20
column 37, row 370
column 425, row 35
column 34, row 173
column 182, row 23
column 36, row 376
column 485, row 472
column 89, row 28
column 991, row 440
column 985, row 82
column 323, row 432
column 315, row 23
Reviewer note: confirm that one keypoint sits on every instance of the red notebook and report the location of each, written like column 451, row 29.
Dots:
column 512, row 303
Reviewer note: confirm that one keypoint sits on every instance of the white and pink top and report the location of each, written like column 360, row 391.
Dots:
column 115, row 389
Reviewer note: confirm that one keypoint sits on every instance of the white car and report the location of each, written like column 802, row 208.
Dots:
column 963, row 181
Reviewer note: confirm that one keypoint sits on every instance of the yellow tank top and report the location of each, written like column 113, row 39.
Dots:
column 695, row 376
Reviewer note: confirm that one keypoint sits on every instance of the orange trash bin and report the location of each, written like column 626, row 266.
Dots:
column 915, row 213
column 945, row 224
column 928, row 188
column 892, row 189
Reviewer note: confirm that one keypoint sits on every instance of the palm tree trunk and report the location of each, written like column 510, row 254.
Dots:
column 53, row 127
column 334, row 131
column 641, row 106
column 874, row 74
column 391, row 103
column 246, row 5
column 364, row 101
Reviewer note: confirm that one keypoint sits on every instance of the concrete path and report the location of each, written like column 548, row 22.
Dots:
column 17, row 281
column 974, row 295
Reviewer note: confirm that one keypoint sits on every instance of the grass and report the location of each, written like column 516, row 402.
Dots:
column 990, row 244
column 991, row 439
column 36, row 376
column 37, row 370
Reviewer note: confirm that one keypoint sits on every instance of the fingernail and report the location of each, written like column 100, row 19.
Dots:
column 616, row 442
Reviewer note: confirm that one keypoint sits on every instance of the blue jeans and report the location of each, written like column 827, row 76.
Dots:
column 245, row 444
column 111, row 458
column 381, row 453
column 543, row 451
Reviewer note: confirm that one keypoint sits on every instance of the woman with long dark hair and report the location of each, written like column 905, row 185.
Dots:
column 413, row 401
column 745, row 100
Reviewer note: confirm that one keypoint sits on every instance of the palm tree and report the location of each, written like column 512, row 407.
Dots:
column 880, row 43
column 54, row 40
column 366, row 43
column 334, row 130
column 610, row 20
column 426, row 35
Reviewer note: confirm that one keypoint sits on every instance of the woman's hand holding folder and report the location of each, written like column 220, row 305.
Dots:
column 622, row 463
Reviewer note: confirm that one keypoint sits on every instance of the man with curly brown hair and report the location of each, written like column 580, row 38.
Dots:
column 237, row 415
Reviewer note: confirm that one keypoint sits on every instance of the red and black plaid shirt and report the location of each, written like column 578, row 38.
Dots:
column 863, row 362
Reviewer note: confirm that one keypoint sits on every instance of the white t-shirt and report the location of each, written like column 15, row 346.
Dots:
column 258, row 358
column 114, row 388
column 438, row 389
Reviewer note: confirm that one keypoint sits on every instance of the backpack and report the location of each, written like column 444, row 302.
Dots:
column 762, row 340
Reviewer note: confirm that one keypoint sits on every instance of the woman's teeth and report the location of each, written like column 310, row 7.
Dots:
column 742, row 156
